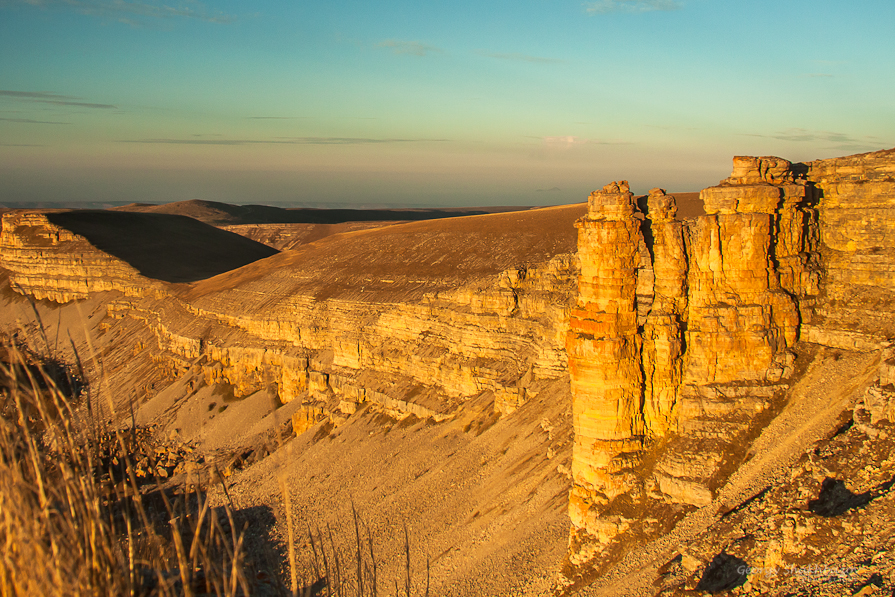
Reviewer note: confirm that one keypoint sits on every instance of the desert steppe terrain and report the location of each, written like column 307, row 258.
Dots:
column 661, row 394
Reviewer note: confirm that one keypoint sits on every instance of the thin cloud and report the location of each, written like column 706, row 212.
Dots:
column 550, row 190
column 275, row 117
column 818, row 75
column 630, row 6
column 521, row 58
column 30, row 121
column 410, row 48
column 838, row 140
column 125, row 10
column 43, row 97
column 569, row 141
column 280, row 141
column 20, row 145
column 40, row 95
column 79, row 104
column 804, row 135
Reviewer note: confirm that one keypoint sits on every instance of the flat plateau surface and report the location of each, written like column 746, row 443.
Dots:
column 403, row 261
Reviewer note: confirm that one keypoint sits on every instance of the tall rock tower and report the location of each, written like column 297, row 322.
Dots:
column 681, row 335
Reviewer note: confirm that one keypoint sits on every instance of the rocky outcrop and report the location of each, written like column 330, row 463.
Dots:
column 498, row 335
column 47, row 261
column 603, row 346
column 741, row 321
column 663, row 341
column 684, row 332
column 856, row 220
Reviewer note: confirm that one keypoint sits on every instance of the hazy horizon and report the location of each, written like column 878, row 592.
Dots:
column 427, row 104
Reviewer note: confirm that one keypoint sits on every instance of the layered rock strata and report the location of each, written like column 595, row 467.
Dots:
column 662, row 331
column 47, row 261
column 603, row 347
column 320, row 328
column 682, row 334
column 856, row 220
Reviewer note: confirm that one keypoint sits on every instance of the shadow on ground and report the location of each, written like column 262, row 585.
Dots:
column 166, row 247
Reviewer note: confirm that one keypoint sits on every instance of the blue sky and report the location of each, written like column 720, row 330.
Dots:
column 427, row 103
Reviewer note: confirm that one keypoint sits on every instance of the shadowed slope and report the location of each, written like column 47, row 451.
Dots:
column 161, row 246
column 220, row 214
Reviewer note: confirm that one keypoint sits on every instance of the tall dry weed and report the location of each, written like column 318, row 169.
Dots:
column 67, row 528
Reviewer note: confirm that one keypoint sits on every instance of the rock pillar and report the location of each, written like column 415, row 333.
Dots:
column 741, row 323
column 662, row 333
column 603, row 347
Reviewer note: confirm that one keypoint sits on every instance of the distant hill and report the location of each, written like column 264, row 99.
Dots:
column 224, row 214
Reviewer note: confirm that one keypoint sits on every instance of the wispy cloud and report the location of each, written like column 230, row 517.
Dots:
column 569, row 141
column 550, row 190
column 410, row 48
column 520, row 57
column 40, row 95
column 802, row 135
column 30, row 121
column 126, row 10
column 838, row 140
column 630, row 6
column 281, row 141
column 21, row 145
column 43, row 97
column 818, row 76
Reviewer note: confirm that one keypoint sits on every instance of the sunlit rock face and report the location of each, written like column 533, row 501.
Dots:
column 856, row 222
column 474, row 309
column 47, row 261
column 682, row 335
column 604, row 347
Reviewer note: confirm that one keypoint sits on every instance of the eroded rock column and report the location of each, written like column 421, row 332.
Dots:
column 603, row 347
column 662, row 332
column 741, row 324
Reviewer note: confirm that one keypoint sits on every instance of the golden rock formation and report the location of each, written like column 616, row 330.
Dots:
column 48, row 261
column 682, row 334
column 603, row 347
column 662, row 333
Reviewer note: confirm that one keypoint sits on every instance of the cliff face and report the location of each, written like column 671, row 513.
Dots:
column 48, row 261
column 332, row 326
column 500, row 336
column 683, row 333
column 857, row 216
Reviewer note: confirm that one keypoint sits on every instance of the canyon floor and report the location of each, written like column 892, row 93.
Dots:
column 478, row 479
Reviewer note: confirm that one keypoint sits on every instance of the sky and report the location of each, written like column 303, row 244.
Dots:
column 427, row 102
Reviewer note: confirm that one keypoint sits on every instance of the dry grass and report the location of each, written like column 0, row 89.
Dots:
column 76, row 520
column 63, row 531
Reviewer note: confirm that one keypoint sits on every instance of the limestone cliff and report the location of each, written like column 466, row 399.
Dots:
column 856, row 219
column 48, row 261
column 684, row 332
column 473, row 309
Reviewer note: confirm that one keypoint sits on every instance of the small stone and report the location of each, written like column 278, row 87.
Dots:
column 689, row 563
